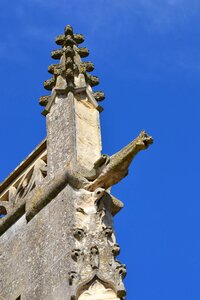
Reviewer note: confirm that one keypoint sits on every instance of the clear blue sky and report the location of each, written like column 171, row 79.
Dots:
column 147, row 55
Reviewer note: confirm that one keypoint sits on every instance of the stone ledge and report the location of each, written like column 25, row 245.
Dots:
column 39, row 197
column 12, row 217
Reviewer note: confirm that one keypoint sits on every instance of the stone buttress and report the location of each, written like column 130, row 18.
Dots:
column 57, row 225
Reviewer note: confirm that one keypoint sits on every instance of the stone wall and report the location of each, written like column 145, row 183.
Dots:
column 35, row 257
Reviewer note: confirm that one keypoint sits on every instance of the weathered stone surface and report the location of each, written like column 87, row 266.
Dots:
column 88, row 140
column 61, row 134
column 39, row 253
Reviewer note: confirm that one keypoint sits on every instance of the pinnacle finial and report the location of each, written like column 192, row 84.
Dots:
column 68, row 30
column 70, row 74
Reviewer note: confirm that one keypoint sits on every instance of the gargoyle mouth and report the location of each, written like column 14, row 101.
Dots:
column 146, row 139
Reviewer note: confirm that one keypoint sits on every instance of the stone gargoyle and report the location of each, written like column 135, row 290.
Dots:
column 108, row 171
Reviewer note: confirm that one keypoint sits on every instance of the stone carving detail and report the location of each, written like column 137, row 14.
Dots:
column 94, row 234
column 73, row 277
column 108, row 231
column 43, row 101
column 99, row 96
column 94, row 257
column 98, row 291
column 79, row 233
column 121, row 269
column 31, row 180
column 116, row 167
column 77, row 255
column 119, row 276
column 115, row 250
column 26, row 181
column 71, row 74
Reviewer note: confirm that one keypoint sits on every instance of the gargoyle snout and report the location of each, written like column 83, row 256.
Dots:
column 147, row 139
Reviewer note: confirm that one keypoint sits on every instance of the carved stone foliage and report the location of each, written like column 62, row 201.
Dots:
column 96, row 249
column 24, row 183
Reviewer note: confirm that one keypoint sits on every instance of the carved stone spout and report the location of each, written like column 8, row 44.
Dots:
column 116, row 167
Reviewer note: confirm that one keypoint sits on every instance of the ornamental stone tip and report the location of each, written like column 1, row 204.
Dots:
column 71, row 74
column 68, row 30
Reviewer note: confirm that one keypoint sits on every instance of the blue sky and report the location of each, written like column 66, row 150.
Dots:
column 147, row 55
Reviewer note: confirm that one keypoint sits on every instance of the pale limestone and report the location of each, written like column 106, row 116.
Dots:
column 97, row 291
column 88, row 140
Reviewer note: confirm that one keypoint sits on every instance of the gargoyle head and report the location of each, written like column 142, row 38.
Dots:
column 144, row 140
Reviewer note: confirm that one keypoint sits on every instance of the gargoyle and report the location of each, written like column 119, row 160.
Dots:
column 108, row 171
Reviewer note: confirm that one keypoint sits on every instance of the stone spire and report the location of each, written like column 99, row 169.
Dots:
column 71, row 74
